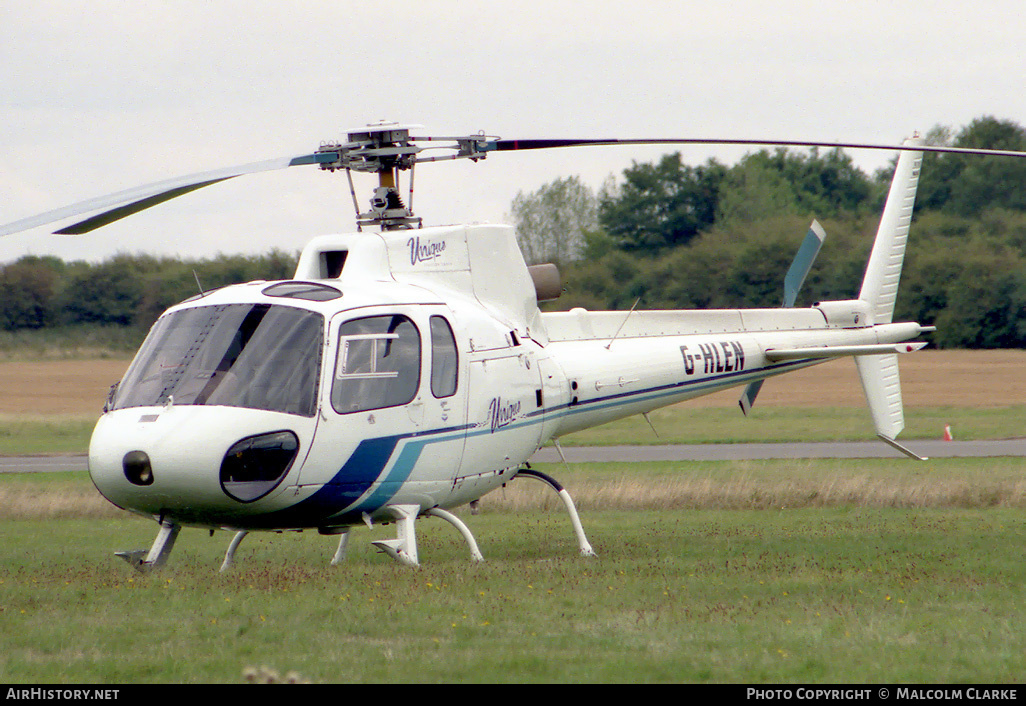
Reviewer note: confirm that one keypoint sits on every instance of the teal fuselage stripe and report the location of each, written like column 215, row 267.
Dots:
column 396, row 476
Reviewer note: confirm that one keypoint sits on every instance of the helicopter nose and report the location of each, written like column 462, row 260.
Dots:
column 202, row 466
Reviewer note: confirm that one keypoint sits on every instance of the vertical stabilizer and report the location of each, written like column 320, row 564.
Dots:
column 880, row 382
column 879, row 374
column 880, row 285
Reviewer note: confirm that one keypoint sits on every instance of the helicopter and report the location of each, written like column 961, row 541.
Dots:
column 407, row 370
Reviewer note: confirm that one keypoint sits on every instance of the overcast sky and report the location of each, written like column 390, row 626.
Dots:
column 103, row 95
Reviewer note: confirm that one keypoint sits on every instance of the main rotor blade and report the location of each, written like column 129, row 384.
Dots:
column 125, row 203
column 511, row 145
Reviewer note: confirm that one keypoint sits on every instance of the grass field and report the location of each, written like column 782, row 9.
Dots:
column 750, row 572
column 768, row 572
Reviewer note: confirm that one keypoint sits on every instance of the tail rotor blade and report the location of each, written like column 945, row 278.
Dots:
column 802, row 263
column 749, row 395
column 793, row 280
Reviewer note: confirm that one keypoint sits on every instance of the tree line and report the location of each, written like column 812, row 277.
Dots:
column 674, row 235
column 125, row 290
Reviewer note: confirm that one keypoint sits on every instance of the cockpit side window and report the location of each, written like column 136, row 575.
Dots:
column 444, row 358
column 377, row 365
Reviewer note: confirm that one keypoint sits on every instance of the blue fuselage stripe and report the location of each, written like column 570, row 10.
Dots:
column 366, row 466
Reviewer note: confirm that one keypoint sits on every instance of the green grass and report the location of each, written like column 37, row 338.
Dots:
column 26, row 434
column 847, row 592
column 70, row 342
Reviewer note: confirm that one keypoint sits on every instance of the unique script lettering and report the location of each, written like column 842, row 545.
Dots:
column 501, row 413
column 424, row 251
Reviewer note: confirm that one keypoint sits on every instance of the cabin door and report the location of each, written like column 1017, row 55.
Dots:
column 393, row 409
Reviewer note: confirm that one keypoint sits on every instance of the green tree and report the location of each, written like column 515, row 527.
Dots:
column 823, row 185
column 968, row 185
column 554, row 222
column 663, row 204
column 986, row 309
column 967, row 277
column 753, row 191
column 170, row 281
column 28, row 289
column 105, row 294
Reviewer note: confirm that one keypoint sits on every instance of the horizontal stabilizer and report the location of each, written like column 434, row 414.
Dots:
column 779, row 354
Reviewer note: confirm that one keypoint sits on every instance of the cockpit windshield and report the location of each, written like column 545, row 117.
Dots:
column 256, row 356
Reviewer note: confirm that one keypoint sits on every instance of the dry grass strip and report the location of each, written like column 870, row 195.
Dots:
column 744, row 492
column 27, row 501
column 746, row 486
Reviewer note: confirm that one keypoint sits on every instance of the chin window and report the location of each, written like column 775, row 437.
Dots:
column 254, row 466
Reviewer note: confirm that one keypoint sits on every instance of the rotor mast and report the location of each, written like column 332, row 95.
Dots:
column 384, row 149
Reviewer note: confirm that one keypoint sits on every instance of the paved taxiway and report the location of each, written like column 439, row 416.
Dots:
column 682, row 452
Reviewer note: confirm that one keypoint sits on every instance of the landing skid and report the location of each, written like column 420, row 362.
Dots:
column 340, row 552
column 143, row 560
column 229, row 556
column 475, row 554
column 403, row 548
column 582, row 540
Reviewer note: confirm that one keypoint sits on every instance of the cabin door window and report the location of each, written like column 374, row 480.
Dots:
column 377, row 365
column 444, row 359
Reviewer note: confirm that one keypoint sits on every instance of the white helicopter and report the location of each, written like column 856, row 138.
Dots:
column 407, row 370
